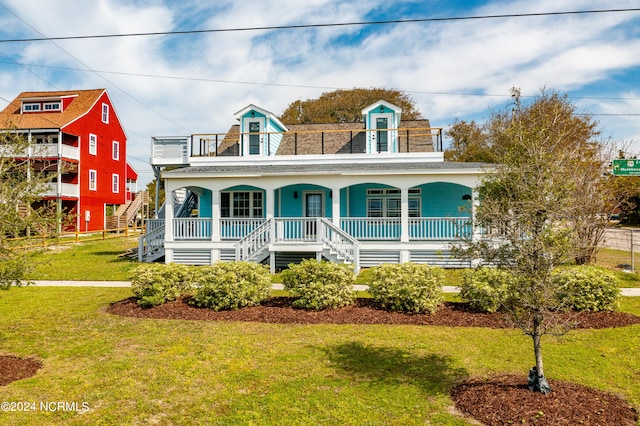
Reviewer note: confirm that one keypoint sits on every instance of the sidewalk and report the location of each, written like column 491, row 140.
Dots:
column 446, row 289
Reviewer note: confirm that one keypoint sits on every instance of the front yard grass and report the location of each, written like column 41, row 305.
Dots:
column 140, row 371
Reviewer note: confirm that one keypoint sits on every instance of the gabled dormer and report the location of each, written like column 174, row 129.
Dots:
column 44, row 104
column 260, row 131
column 381, row 120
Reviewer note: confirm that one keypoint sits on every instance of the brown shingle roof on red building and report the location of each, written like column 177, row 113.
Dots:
column 12, row 115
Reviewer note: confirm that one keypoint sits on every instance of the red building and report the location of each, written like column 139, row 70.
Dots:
column 77, row 138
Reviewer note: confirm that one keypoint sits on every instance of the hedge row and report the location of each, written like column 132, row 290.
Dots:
column 315, row 285
column 580, row 288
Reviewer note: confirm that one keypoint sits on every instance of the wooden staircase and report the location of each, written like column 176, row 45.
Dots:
column 127, row 213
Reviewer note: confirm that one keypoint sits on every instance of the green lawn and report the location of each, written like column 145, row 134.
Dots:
column 98, row 260
column 137, row 371
column 103, row 260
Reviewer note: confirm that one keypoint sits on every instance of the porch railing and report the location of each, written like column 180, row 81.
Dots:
column 191, row 228
column 302, row 229
column 439, row 228
column 299, row 229
column 369, row 228
column 235, row 229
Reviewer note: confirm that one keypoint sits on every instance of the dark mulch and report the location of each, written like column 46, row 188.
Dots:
column 278, row 310
column 500, row 400
column 506, row 400
column 13, row 368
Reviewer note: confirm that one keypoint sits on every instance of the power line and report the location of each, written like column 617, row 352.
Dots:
column 302, row 86
column 306, row 26
column 90, row 69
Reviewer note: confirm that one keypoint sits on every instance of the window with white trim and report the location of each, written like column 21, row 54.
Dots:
column 51, row 106
column 116, row 150
column 93, row 180
column 385, row 202
column 31, row 106
column 115, row 183
column 105, row 113
column 242, row 204
column 93, row 144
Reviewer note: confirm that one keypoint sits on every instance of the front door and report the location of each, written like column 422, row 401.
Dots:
column 312, row 208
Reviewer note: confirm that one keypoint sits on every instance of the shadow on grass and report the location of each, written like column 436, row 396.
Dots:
column 433, row 374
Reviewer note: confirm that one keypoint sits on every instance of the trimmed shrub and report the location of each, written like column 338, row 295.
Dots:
column 407, row 287
column 587, row 288
column 318, row 285
column 231, row 285
column 156, row 283
column 485, row 289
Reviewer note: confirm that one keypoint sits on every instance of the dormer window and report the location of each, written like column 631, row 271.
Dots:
column 42, row 106
column 52, row 106
column 31, row 106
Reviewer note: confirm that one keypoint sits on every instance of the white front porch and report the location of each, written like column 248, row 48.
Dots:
column 362, row 242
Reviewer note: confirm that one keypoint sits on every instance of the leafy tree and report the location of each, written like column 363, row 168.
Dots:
column 469, row 143
column 571, row 137
column 22, row 213
column 536, row 204
column 345, row 106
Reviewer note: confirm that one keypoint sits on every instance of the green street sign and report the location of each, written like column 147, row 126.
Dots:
column 626, row 167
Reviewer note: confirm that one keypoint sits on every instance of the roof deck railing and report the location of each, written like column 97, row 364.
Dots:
column 317, row 142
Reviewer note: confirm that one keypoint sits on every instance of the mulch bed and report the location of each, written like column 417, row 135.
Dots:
column 13, row 368
column 506, row 400
column 278, row 310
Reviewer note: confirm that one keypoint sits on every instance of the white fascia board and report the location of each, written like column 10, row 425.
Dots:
column 386, row 158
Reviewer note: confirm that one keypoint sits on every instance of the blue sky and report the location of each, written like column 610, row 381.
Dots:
column 461, row 69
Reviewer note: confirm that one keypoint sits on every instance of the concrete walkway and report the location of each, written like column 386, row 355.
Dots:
column 445, row 289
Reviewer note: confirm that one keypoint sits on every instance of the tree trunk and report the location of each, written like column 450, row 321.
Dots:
column 537, row 381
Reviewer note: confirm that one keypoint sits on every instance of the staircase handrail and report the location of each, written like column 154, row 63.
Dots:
column 340, row 242
column 255, row 241
column 151, row 241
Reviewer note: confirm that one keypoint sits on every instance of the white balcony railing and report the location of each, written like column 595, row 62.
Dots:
column 45, row 150
column 66, row 190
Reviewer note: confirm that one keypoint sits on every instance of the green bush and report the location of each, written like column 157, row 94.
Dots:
column 231, row 285
column 317, row 285
column 408, row 287
column 485, row 289
column 156, row 283
column 587, row 288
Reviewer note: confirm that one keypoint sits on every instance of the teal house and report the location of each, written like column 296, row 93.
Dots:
column 363, row 193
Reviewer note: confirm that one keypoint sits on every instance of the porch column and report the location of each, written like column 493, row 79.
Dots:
column 168, row 221
column 168, row 215
column 476, row 231
column 404, row 215
column 215, row 215
column 271, row 202
column 335, row 206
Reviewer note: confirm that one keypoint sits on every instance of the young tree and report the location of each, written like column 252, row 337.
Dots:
column 535, row 206
column 21, row 185
column 345, row 106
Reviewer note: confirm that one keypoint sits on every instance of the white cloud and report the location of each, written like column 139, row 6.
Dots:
column 434, row 62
